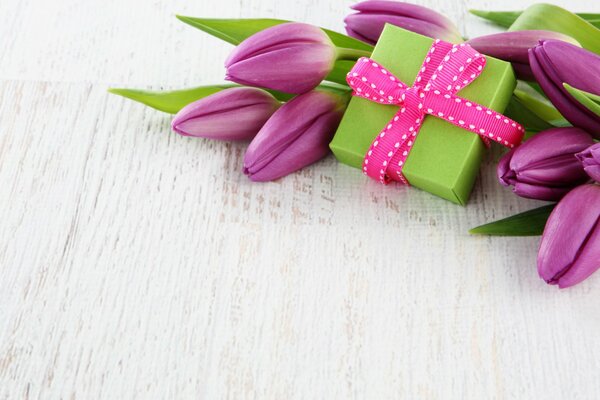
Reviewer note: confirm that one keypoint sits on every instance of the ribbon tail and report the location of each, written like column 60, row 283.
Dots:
column 475, row 118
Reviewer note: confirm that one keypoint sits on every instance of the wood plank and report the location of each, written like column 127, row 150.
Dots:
column 139, row 264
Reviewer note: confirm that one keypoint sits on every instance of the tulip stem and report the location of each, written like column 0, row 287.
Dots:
column 343, row 53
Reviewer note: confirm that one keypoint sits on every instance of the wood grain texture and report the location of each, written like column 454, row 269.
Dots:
column 139, row 264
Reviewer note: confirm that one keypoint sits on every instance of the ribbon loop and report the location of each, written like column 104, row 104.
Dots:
column 368, row 80
column 459, row 68
column 446, row 70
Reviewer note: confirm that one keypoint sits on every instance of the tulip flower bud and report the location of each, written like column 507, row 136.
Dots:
column 291, row 57
column 297, row 135
column 555, row 62
column 367, row 24
column 514, row 47
column 231, row 114
column 590, row 159
column 570, row 248
column 545, row 166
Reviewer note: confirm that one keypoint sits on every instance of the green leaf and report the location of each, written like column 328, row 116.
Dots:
column 236, row 31
column 529, row 223
column 588, row 100
column 507, row 18
column 592, row 96
column 502, row 18
column 538, row 105
column 329, row 86
column 536, row 102
column 536, row 86
column 233, row 31
column 553, row 18
column 169, row 101
column 172, row 101
column 347, row 42
column 519, row 112
column 592, row 18
column 339, row 72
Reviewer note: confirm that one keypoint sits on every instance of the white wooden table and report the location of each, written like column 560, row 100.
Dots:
column 139, row 264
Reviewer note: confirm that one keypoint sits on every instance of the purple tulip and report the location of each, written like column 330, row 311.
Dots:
column 291, row 57
column 367, row 24
column 297, row 135
column 514, row 47
column 570, row 248
column 555, row 62
column 545, row 166
column 590, row 159
column 231, row 114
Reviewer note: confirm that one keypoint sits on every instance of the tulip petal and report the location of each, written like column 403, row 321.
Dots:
column 536, row 192
column 368, row 23
column 595, row 152
column 545, row 167
column 551, row 84
column 240, row 125
column 314, row 114
column 570, row 247
column 356, row 35
column 504, row 168
column 593, row 172
column 273, row 69
column 550, row 144
column 371, row 26
column 554, row 172
column 587, row 262
column 513, row 46
column 275, row 37
column 576, row 66
column 290, row 57
column 404, row 10
column 232, row 114
column 590, row 159
column 311, row 146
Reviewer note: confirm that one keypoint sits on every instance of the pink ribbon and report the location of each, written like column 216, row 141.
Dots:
column 447, row 69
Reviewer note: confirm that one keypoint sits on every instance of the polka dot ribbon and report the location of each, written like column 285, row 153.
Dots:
column 446, row 70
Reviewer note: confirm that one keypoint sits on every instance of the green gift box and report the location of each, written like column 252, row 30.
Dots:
column 445, row 159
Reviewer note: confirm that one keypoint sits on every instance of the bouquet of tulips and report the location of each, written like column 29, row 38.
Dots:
column 289, row 93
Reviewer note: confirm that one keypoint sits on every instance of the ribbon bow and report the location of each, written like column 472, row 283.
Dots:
column 447, row 69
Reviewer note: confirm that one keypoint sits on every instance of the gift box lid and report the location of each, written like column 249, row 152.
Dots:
column 445, row 159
